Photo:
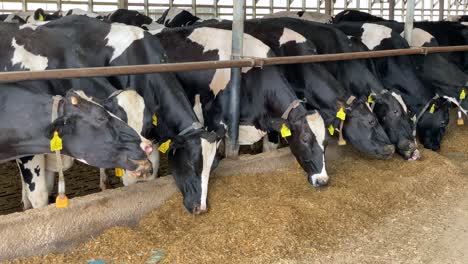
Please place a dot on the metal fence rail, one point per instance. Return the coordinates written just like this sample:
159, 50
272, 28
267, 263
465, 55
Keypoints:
207, 65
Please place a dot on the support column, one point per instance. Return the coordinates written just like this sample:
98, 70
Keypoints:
391, 9
409, 21
232, 146
441, 10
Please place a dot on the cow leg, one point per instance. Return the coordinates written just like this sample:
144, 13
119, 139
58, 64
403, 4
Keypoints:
271, 141
50, 179
102, 179
154, 158
231, 151
24, 196
32, 170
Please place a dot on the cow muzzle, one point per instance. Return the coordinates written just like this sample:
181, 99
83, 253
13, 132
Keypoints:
143, 171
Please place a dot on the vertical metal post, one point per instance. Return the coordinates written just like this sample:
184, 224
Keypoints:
391, 9
409, 20
232, 146
328, 7
441, 10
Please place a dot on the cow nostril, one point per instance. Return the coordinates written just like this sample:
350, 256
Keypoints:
148, 149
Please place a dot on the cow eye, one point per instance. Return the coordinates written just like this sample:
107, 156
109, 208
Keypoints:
372, 122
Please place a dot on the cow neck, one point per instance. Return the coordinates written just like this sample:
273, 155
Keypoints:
174, 110
40, 120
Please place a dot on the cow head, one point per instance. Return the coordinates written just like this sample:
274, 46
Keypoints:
391, 112
307, 143
432, 125
97, 137
191, 156
40, 15
129, 17
364, 132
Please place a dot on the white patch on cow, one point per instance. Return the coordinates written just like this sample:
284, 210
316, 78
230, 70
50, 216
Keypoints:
208, 154
154, 28
464, 23
171, 13
455, 101
134, 106
317, 125
121, 36
39, 197
83, 161
290, 35
373, 34
9, 18
31, 26
197, 108
27, 60
220, 40
400, 100
248, 135
81, 12
419, 37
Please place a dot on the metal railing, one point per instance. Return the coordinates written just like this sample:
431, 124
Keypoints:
207, 65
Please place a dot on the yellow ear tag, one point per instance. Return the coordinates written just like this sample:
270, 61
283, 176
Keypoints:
119, 172
432, 110
462, 94
165, 146
41, 18
155, 120
285, 131
341, 114
61, 202
56, 142
331, 130
370, 100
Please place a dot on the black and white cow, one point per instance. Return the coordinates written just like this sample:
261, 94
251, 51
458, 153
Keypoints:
88, 132
320, 89
267, 101
350, 15
81, 12
449, 34
400, 73
305, 15
177, 17
129, 17
111, 45
359, 81
12, 18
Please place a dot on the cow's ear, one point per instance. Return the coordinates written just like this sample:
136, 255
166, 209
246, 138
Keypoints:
277, 123
39, 15
62, 125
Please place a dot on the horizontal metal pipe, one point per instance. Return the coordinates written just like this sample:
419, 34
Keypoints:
207, 65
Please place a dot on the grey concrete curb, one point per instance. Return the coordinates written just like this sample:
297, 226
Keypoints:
48, 229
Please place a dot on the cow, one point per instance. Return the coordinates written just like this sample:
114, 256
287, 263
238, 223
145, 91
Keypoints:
129, 17
350, 15
267, 101
305, 15
322, 91
88, 132
357, 80
400, 74
170, 117
81, 12
177, 17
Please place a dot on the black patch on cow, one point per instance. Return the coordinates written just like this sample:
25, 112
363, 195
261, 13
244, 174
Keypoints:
26, 173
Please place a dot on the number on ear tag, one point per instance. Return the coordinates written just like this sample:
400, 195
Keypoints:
432, 110
285, 131
56, 142
341, 114
119, 172
331, 130
164, 147
155, 120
